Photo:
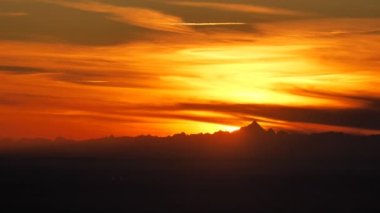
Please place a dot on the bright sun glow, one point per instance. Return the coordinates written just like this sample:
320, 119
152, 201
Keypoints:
230, 128
153, 69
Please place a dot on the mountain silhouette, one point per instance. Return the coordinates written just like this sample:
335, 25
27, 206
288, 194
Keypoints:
253, 129
249, 170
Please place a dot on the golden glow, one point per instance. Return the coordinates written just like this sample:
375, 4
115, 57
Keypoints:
230, 128
143, 86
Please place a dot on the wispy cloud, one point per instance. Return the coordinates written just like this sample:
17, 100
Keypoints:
142, 17
239, 8
19, 69
209, 24
363, 118
12, 14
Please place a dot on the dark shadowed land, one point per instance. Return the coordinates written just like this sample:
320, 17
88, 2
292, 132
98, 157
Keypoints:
250, 170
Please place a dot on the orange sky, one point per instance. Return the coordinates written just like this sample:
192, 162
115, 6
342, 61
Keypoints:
85, 69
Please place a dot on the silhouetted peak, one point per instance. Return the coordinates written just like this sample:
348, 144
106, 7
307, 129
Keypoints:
254, 128
255, 125
271, 132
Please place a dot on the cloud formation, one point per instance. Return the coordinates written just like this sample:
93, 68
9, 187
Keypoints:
135, 67
210, 24
12, 14
239, 8
20, 69
363, 118
141, 17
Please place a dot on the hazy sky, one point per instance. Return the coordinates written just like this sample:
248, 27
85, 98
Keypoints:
86, 69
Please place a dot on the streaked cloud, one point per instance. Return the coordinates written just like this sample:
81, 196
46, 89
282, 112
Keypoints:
142, 17
360, 118
210, 24
12, 14
150, 67
246, 8
19, 69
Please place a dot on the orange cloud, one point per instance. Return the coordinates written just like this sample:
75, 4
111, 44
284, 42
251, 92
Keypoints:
13, 14
287, 76
240, 8
141, 17
210, 24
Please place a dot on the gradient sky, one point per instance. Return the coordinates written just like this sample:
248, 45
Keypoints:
85, 69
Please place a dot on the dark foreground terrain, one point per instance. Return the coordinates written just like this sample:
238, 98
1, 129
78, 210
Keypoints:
251, 170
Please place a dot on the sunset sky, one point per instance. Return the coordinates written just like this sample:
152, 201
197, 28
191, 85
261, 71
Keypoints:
86, 69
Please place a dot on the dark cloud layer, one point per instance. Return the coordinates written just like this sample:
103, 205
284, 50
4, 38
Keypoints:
370, 102
53, 23
365, 118
327, 8
44, 21
128, 79
20, 69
